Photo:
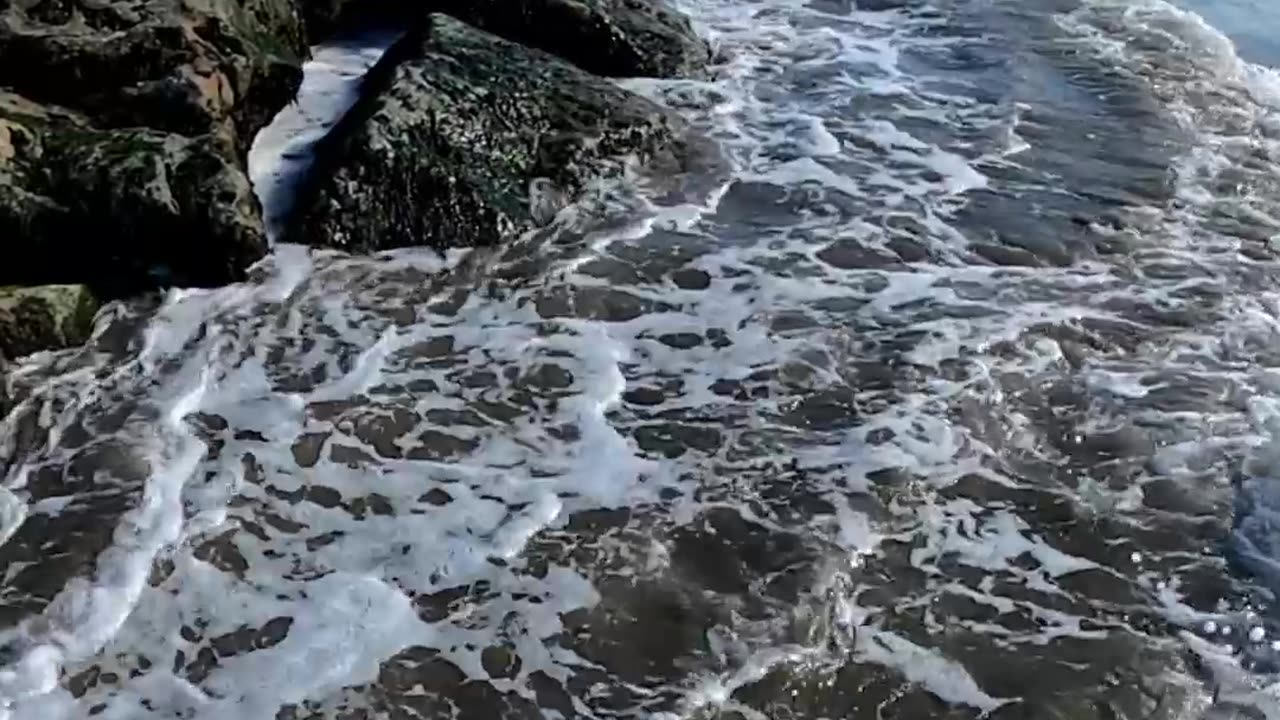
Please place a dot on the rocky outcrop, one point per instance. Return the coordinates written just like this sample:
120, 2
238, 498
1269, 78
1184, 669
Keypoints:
618, 38
124, 126
123, 131
457, 126
121, 209
47, 317
189, 67
44, 317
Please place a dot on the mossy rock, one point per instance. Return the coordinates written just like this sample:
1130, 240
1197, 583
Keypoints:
124, 131
119, 210
458, 126
44, 317
617, 38
192, 67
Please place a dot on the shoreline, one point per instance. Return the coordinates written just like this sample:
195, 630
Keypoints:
122, 193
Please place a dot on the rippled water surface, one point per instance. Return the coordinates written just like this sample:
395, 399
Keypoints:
951, 392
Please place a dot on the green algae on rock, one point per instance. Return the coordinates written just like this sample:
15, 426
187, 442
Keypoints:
457, 126
194, 67
618, 38
124, 129
118, 209
125, 125
44, 317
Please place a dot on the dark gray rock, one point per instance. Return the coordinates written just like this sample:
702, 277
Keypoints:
456, 126
217, 66
124, 126
119, 209
44, 317
620, 38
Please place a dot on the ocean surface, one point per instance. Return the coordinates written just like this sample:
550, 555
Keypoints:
952, 391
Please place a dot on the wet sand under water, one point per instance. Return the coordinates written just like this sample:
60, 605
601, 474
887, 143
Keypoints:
952, 396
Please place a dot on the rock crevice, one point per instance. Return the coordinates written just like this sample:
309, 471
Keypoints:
455, 127
125, 127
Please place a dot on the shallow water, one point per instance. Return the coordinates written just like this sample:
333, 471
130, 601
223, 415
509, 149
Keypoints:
952, 393
1247, 22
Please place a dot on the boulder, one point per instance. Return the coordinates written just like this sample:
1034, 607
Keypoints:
456, 127
618, 38
190, 67
119, 209
44, 318
124, 127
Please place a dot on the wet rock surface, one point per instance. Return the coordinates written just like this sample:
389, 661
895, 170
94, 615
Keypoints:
124, 126
186, 68
459, 125
46, 316
119, 209
621, 38
123, 130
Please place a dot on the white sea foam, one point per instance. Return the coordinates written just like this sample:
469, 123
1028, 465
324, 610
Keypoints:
1228, 106
944, 678
517, 417
281, 153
